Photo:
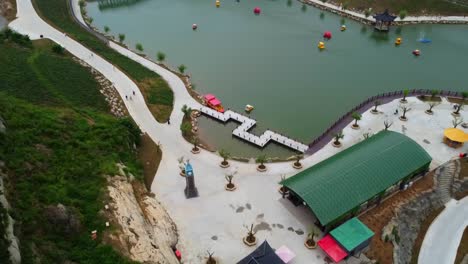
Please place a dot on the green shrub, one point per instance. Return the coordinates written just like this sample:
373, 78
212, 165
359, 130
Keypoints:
58, 49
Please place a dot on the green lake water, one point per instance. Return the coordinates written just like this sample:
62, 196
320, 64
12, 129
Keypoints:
271, 61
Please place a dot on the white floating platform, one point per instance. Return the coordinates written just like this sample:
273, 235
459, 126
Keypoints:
246, 124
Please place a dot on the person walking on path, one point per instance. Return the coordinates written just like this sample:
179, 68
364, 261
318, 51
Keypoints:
169, 121
126, 97
133, 92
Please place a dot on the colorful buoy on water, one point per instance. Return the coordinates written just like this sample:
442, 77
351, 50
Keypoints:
416, 52
343, 28
327, 34
194, 26
398, 41
321, 45
257, 10
217, 3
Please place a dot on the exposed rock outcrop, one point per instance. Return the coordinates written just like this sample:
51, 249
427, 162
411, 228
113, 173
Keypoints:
146, 231
63, 218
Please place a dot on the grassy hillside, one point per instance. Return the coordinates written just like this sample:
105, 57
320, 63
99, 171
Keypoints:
158, 94
59, 144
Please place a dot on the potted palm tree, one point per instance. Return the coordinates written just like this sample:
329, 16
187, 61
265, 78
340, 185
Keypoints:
210, 259
283, 190
404, 109
250, 239
195, 149
356, 116
387, 124
310, 242
376, 104
336, 142
230, 186
297, 164
225, 155
261, 160
457, 121
431, 105
405, 94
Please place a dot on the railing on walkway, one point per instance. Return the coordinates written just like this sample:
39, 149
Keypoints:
345, 119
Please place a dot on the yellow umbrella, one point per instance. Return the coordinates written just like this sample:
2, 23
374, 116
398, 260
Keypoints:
455, 134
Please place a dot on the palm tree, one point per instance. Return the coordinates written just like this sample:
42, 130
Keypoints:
431, 105
210, 259
298, 158
405, 94
250, 238
456, 121
283, 189
376, 104
182, 68
225, 155
337, 138
106, 29
387, 124
356, 116
367, 12
139, 47
403, 14
310, 241
261, 159
160, 56
458, 108
121, 38
404, 109
230, 186
195, 142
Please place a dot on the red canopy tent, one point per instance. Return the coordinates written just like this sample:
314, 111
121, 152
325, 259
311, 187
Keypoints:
332, 248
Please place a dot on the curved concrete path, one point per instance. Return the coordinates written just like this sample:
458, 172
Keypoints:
215, 219
444, 235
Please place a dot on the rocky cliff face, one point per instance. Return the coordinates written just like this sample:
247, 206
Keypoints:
146, 233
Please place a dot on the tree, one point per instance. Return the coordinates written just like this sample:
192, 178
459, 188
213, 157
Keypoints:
457, 121
310, 241
283, 189
345, 6
225, 155
458, 108
195, 142
182, 68
367, 12
261, 159
298, 158
160, 56
337, 138
405, 94
210, 259
186, 110
431, 105
121, 38
387, 124
106, 29
434, 93
356, 116
376, 104
404, 109
82, 3
250, 238
58, 49
403, 14
90, 20
139, 47
230, 186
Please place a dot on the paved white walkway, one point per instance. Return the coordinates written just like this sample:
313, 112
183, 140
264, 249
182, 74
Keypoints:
215, 219
419, 19
444, 235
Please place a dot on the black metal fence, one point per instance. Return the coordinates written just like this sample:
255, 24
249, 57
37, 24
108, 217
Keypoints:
345, 119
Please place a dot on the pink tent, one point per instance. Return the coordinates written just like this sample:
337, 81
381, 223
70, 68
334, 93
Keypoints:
285, 254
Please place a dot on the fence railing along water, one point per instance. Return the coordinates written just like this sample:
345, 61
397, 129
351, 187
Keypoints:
345, 119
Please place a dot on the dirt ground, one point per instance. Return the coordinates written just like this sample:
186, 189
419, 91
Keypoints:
380, 216
463, 248
150, 156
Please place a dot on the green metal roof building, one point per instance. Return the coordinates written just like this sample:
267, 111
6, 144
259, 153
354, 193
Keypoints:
339, 185
353, 235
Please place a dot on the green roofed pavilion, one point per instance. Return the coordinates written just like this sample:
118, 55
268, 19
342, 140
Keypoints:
342, 183
352, 234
